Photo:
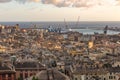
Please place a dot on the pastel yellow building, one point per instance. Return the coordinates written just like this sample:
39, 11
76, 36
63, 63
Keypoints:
90, 44
2, 49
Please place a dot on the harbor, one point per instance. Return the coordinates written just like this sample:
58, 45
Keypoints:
59, 39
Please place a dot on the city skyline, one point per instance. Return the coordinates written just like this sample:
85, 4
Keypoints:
57, 10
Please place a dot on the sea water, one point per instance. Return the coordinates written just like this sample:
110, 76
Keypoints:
85, 27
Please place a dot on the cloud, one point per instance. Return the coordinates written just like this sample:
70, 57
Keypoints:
3, 1
70, 3
118, 2
58, 3
80, 3
25, 1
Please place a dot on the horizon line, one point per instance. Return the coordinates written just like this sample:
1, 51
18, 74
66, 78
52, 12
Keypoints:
61, 21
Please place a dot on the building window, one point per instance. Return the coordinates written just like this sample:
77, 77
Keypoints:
3, 76
76, 79
110, 77
114, 77
31, 74
86, 77
110, 73
26, 74
21, 75
9, 75
34, 73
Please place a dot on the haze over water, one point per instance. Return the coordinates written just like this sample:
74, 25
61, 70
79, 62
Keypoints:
84, 26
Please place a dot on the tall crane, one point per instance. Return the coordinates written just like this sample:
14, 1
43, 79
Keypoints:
105, 29
66, 26
77, 21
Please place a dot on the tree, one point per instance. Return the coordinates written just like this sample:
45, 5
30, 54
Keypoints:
20, 78
107, 65
37, 79
34, 78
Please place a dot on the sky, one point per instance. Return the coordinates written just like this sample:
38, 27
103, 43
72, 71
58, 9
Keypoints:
58, 10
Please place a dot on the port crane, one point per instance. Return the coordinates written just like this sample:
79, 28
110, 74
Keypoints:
77, 21
105, 29
66, 26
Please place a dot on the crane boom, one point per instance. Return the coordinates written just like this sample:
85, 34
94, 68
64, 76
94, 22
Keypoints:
77, 21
